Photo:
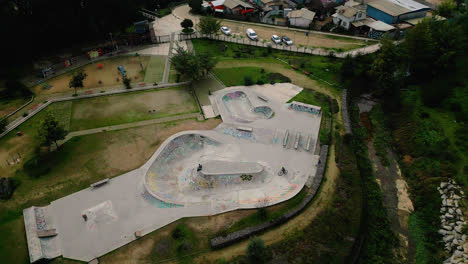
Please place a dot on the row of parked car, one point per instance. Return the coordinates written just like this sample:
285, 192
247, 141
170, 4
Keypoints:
253, 36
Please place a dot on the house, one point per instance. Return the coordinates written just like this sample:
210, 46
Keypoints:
237, 7
217, 5
396, 11
349, 13
141, 27
301, 18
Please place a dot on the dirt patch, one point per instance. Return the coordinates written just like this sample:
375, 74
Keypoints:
107, 76
128, 108
8, 106
299, 38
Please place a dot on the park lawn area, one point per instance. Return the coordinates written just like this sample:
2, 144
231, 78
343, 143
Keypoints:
9, 105
155, 69
26, 145
132, 107
235, 76
80, 162
108, 75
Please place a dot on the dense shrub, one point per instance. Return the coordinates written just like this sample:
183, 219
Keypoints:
248, 80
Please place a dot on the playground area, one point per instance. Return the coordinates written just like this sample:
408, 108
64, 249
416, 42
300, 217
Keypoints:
102, 73
236, 165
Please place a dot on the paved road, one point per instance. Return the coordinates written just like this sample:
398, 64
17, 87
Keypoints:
130, 125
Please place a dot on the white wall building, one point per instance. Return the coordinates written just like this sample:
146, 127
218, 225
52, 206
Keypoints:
301, 18
348, 13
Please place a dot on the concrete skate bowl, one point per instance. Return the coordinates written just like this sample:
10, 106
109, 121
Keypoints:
176, 158
174, 176
240, 108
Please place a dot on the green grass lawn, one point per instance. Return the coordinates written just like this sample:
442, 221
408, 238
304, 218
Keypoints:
127, 108
235, 76
155, 69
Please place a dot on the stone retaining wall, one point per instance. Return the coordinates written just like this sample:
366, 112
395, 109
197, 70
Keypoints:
223, 241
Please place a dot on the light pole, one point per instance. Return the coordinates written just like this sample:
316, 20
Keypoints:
112, 41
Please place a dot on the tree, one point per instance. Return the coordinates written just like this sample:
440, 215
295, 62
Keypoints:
256, 250
195, 5
209, 25
3, 124
77, 80
207, 62
126, 81
186, 23
50, 130
446, 9
186, 63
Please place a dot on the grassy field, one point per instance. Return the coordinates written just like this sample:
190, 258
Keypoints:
81, 161
107, 76
127, 108
8, 106
235, 76
155, 69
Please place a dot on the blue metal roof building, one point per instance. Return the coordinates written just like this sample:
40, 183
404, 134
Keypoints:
396, 11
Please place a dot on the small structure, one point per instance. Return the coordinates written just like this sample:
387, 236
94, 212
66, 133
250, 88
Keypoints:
46, 233
237, 7
396, 11
217, 5
99, 183
141, 27
138, 234
301, 18
347, 14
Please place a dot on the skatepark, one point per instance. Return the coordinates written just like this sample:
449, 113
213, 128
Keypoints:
262, 154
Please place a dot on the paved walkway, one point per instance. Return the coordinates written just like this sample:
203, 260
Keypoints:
130, 125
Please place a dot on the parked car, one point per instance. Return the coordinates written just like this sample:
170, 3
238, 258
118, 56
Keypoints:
226, 31
251, 34
287, 40
276, 39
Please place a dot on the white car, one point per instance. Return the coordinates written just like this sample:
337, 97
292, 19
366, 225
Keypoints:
251, 34
287, 41
225, 31
276, 39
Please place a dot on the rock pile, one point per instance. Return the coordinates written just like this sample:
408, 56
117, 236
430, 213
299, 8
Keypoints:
452, 222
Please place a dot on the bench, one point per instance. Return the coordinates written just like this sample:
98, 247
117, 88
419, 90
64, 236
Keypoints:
296, 141
262, 98
99, 183
246, 129
309, 139
138, 234
46, 233
285, 139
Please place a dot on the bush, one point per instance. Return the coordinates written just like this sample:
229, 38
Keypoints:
248, 80
25, 114
187, 30
260, 82
256, 251
126, 82
179, 233
334, 106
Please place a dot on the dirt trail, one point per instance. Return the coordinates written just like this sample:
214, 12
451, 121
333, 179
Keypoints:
395, 193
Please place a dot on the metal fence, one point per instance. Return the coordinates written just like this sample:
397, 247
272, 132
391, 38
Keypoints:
264, 44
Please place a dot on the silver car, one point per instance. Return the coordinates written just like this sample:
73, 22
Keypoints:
226, 31
276, 39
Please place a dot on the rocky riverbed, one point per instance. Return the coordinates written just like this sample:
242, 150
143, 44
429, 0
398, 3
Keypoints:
452, 222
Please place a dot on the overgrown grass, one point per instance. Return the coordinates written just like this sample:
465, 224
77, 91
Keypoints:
381, 135
330, 237
380, 240
236, 76
263, 215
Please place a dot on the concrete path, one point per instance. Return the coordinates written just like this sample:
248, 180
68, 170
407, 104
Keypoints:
129, 125
167, 67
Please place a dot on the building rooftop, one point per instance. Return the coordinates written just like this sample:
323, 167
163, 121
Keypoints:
234, 3
302, 13
397, 7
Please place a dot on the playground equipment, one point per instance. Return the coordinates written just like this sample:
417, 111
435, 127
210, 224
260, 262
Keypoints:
121, 69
